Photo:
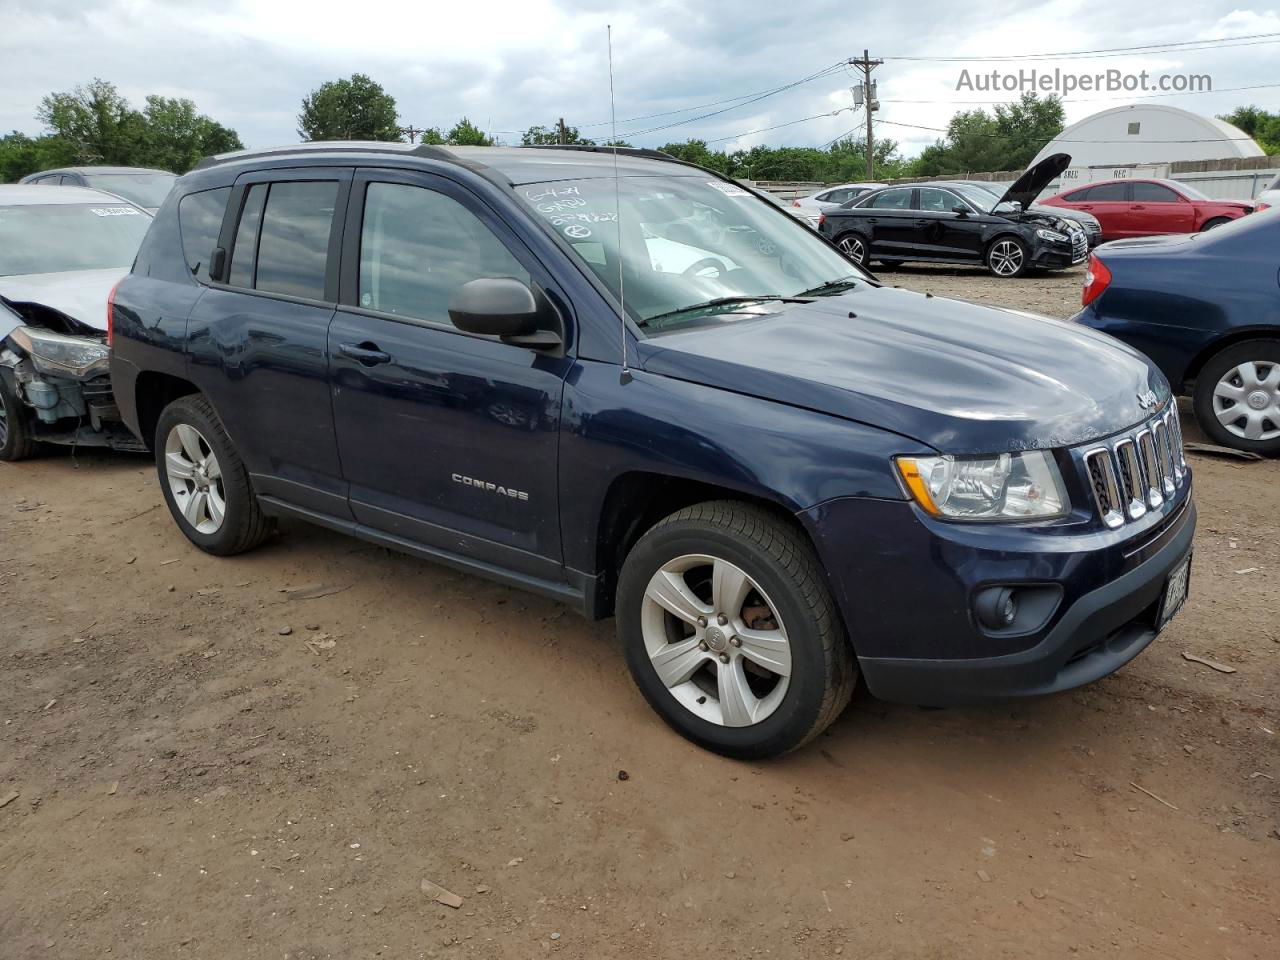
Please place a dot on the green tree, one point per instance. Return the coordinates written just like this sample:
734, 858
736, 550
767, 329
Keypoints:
354, 109
545, 136
1006, 139
21, 155
1263, 126
175, 137
467, 134
96, 121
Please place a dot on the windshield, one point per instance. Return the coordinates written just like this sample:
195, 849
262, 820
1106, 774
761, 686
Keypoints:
144, 189
980, 197
685, 241
56, 237
1189, 191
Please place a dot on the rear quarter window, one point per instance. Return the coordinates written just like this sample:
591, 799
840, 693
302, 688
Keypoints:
199, 222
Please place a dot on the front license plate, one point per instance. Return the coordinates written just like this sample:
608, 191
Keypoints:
1175, 592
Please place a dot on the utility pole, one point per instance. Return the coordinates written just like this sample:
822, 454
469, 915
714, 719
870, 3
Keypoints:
411, 132
563, 133
871, 104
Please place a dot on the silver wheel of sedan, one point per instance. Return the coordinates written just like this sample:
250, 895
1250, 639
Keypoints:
715, 640
195, 478
853, 248
1006, 258
1246, 400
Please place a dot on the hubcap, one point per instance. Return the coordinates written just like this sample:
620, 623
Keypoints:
195, 478
716, 640
852, 247
1246, 400
1006, 258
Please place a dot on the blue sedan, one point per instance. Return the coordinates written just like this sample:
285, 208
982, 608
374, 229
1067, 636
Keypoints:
1206, 308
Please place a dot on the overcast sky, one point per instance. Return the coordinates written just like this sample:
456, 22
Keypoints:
508, 65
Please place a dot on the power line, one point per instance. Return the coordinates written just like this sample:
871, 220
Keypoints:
778, 126
1170, 47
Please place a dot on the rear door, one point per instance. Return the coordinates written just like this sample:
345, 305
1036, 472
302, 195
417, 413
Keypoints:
258, 336
1109, 202
1155, 209
891, 223
448, 439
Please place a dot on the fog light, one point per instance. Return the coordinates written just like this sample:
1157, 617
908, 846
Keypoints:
997, 607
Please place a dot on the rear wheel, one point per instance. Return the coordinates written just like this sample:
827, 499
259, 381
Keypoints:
730, 633
204, 481
1215, 222
1237, 399
1007, 257
853, 246
16, 441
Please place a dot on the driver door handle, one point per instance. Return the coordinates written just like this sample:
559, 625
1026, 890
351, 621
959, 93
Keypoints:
366, 353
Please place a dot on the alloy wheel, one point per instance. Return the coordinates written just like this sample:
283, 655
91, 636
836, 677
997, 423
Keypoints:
1246, 400
853, 248
715, 640
195, 478
1006, 258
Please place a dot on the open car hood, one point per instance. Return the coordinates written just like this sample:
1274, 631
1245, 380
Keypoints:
1029, 186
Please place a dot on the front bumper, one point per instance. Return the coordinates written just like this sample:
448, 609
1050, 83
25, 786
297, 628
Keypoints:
909, 611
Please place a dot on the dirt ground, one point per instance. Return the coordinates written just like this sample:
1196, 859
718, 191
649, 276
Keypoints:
265, 756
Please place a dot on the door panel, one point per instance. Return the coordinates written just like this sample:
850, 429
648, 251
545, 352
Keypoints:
446, 438
1155, 209
891, 223
940, 231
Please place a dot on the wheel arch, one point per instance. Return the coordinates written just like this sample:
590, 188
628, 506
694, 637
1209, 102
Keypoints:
1225, 342
153, 392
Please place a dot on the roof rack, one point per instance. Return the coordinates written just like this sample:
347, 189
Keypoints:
331, 146
603, 148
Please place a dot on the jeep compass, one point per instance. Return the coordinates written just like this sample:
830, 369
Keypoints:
629, 383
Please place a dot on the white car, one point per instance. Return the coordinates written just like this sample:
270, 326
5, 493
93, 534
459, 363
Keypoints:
61, 253
1268, 198
832, 197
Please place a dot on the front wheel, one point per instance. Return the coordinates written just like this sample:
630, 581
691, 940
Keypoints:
1008, 258
853, 246
1237, 399
730, 633
1215, 222
205, 483
16, 441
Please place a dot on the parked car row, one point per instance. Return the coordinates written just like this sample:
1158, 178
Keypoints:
629, 384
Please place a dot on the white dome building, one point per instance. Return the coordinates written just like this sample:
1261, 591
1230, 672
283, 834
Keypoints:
1146, 133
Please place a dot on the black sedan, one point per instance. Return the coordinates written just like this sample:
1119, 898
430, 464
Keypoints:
1206, 308
958, 223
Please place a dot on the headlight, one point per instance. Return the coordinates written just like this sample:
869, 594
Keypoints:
60, 355
1052, 235
1007, 486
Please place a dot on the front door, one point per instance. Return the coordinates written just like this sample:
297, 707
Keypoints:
447, 439
941, 231
1155, 209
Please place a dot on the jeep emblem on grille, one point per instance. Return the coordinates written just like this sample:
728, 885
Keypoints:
1147, 400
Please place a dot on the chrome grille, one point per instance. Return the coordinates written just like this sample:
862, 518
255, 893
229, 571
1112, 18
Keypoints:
1138, 471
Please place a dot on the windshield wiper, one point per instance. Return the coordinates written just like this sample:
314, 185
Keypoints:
717, 302
829, 285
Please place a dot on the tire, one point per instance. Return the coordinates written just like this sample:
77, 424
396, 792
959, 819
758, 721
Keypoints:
1007, 257
784, 616
1238, 393
891, 264
1215, 222
16, 441
854, 246
190, 438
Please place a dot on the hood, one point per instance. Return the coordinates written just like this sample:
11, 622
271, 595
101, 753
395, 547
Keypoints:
1027, 187
80, 294
961, 377
1168, 241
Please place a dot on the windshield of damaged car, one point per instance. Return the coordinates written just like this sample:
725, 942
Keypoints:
692, 249
56, 237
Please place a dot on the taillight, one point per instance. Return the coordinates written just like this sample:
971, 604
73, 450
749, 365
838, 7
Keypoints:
1096, 279
795, 203
1262, 205
111, 303
822, 218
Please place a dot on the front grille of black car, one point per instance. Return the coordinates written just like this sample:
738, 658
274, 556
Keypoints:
1139, 470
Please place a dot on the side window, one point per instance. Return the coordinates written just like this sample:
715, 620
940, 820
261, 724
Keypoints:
1153, 193
839, 196
938, 201
199, 221
417, 247
244, 255
1107, 192
293, 246
828, 197
1080, 196
892, 200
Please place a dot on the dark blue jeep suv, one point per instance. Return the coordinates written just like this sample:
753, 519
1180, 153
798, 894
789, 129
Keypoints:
629, 383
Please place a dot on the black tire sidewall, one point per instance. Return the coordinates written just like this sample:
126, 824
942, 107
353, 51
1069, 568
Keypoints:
188, 410
1265, 349
18, 443
795, 717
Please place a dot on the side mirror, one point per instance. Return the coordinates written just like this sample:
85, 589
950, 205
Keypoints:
501, 307
962, 210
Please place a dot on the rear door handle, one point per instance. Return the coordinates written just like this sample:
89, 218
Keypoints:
366, 353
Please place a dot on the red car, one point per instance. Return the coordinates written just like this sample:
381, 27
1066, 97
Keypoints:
1145, 208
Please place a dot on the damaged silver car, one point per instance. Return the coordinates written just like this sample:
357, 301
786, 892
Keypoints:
61, 253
